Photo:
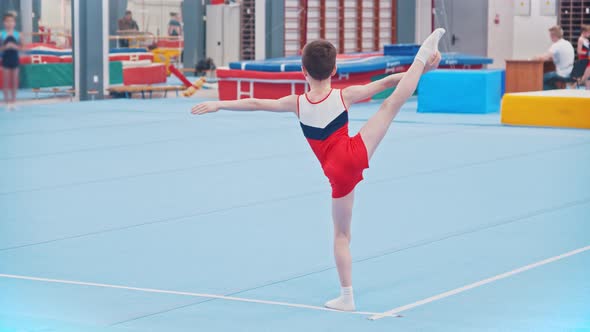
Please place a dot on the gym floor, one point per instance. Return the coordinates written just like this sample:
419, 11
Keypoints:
133, 215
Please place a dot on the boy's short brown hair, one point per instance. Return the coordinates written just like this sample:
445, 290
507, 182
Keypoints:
7, 16
585, 27
319, 59
556, 31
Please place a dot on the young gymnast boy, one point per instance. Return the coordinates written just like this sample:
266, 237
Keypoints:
323, 114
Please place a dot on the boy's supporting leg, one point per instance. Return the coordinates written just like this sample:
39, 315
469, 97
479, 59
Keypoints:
376, 128
342, 217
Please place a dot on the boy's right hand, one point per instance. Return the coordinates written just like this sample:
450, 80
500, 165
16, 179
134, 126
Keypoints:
204, 108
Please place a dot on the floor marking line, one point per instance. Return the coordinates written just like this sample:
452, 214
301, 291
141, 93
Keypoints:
149, 173
202, 295
131, 145
398, 310
122, 124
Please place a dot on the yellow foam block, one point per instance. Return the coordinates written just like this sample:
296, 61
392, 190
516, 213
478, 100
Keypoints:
556, 108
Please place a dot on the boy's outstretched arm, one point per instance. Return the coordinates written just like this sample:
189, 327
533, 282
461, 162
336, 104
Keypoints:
285, 104
354, 94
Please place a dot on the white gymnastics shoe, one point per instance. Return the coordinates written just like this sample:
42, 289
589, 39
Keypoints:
430, 45
345, 302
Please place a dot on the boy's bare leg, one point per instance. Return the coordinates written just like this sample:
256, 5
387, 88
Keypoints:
15, 83
6, 87
376, 128
342, 217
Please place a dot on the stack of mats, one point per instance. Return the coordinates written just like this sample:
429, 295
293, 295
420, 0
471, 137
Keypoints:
42, 54
555, 108
49, 66
401, 49
138, 66
144, 73
276, 78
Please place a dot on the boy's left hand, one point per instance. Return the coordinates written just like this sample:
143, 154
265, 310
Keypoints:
203, 108
433, 62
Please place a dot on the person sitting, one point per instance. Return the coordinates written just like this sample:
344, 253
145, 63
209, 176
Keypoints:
584, 53
174, 26
127, 25
563, 55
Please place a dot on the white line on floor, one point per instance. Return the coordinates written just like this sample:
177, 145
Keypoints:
398, 310
163, 291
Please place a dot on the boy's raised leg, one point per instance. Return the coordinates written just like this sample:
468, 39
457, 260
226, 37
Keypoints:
376, 128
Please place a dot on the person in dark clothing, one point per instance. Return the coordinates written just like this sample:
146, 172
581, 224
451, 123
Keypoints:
127, 25
174, 26
10, 45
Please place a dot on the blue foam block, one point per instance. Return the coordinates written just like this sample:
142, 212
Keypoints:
460, 91
460, 59
401, 49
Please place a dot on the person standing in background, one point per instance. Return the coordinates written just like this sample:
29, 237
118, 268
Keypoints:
584, 53
10, 46
174, 25
563, 56
127, 26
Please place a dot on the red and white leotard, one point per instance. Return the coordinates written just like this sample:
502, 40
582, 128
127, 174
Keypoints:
325, 126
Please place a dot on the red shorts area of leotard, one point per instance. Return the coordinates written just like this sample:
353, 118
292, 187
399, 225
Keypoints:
345, 165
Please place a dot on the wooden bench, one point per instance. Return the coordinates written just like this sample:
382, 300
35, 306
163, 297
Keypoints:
166, 88
92, 93
55, 91
128, 90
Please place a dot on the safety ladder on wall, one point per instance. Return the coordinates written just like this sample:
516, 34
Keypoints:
373, 27
248, 37
351, 25
572, 15
295, 12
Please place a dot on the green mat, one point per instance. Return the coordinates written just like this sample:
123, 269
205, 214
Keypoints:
60, 74
383, 94
386, 93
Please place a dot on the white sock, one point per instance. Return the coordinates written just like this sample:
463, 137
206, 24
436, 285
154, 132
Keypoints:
430, 45
344, 302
